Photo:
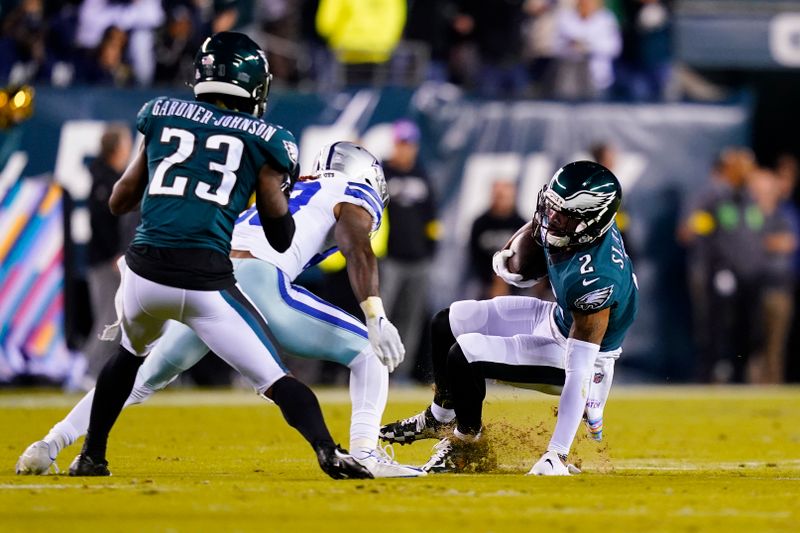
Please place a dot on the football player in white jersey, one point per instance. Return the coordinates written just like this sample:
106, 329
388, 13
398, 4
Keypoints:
345, 196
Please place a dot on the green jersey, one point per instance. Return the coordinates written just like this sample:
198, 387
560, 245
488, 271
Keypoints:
203, 162
593, 279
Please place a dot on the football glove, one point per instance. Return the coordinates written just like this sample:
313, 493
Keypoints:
288, 181
500, 266
383, 336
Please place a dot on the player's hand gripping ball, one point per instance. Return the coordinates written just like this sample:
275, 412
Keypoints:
523, 263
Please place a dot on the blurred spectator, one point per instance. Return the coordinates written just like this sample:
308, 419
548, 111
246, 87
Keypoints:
779, 246
786, 171
176, 45
723, 226
489, 233
22, 46
413, 231
141, 18
106, 65
646, 59
539, 36
606, 154
110, 237
587, 39
497, 32
281, 20
362, 34
62, 20
234, 15
430, 22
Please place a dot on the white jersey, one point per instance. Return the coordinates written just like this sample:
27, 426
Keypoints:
311, 204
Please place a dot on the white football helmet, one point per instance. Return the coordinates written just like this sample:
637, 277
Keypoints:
354, 164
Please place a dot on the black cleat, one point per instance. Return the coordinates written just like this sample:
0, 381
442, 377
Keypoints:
85, 466
339, 464
418, 427
452, 454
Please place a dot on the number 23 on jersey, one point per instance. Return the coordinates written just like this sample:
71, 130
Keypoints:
232, 149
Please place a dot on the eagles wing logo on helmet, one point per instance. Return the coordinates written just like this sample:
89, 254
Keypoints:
583, 201
596, 299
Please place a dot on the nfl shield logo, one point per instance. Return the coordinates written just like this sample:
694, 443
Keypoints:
207, 60
598, 377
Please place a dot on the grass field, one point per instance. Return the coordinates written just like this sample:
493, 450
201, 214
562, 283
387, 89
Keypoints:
674, 459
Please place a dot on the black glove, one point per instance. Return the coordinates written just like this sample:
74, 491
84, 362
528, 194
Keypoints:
289, 179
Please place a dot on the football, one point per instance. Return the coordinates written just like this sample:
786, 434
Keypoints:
528, 259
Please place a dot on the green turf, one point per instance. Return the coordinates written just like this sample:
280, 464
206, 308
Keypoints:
678, 459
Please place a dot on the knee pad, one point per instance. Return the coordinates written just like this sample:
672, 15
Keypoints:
468, 316
472, 345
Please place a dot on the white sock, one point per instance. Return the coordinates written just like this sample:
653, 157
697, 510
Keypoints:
369, 388
466, 438
73, 426
441, 414
599, 391
580, 361
60, 436
76, 423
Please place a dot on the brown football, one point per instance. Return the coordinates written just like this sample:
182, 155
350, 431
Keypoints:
528, 259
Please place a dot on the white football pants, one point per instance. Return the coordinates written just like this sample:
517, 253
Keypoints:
227, 321
517, 338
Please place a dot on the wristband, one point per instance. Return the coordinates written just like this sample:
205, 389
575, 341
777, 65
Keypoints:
373, 307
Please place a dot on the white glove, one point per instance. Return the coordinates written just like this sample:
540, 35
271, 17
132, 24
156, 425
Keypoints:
499, 264
383, 336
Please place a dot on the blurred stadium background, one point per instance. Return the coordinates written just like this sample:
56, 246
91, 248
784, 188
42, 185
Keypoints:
693, 103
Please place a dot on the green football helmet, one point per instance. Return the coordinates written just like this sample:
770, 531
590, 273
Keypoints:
231, 63
578, 205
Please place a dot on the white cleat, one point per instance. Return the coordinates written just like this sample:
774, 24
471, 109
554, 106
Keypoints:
552, 465
381, 464
36, 460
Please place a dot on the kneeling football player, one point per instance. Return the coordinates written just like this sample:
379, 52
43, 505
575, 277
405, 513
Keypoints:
570, 344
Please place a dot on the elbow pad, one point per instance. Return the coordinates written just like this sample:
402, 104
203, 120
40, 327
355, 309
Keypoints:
279, 231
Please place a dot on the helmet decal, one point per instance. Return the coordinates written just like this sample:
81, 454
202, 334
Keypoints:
232, 64
577, 205
583, 201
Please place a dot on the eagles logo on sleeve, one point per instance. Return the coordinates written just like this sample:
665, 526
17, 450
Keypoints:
291, 150
597, 299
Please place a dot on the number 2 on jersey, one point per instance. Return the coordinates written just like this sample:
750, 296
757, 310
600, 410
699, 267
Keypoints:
585, 260
233, 149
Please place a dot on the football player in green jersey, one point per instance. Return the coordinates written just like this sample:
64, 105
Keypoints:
200, 162
568, 346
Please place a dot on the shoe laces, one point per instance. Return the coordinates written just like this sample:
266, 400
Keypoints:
442, 448
384, 454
